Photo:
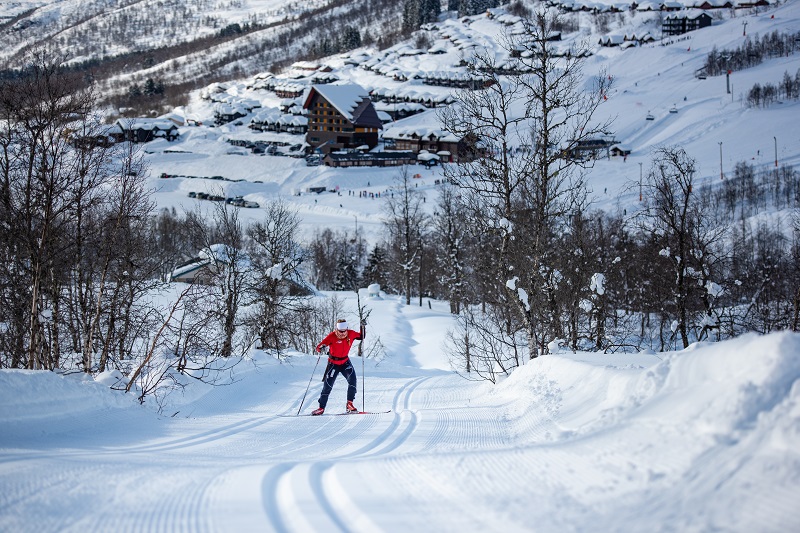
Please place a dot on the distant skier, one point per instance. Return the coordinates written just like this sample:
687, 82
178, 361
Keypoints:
339, 342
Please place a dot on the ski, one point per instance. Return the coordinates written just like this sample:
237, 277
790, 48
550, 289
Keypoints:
361, 413
339, 414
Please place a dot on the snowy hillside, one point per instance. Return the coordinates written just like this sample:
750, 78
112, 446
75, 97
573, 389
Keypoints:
656, 79
700, 440
181, 43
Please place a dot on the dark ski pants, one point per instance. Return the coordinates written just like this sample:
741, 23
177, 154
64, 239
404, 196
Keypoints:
331, 373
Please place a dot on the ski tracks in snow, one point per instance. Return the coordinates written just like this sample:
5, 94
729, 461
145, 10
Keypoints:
309, 496
431, 415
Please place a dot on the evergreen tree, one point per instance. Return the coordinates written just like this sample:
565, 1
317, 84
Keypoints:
473, 7
231, 30
350, 39
149, 87
368, 39
346, 274
134, 91
419, 12
375, 271
410, 16
429, 10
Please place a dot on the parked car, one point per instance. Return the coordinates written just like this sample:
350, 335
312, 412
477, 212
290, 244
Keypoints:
192, 194
248, 203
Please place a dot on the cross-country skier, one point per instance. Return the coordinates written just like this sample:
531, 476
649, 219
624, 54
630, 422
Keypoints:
338, 342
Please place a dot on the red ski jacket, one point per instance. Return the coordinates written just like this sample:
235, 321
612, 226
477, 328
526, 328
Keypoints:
339, 348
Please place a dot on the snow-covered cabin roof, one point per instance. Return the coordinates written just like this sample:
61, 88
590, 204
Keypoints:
175, 118
424, 155
289, 87
145, 124
346, 98
649, 6
228, 109
323, 77
624, 148
688, 14
439, 47
305, 65
636, 36
409, 107
293, 120
713, 3
188, 272
419, 132
406, 50
615, 39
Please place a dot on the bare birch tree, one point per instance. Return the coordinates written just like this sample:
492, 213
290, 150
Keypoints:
526, 178
686, 236
276, 286
63, 215
406, 223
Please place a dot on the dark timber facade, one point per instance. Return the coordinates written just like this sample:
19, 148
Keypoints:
340, 117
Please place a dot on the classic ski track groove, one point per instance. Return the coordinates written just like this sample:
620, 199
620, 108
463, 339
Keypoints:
319, 475
312, 488
204, 437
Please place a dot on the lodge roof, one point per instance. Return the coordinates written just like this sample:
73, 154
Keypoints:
350, 100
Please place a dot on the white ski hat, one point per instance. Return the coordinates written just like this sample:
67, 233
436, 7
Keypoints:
341, 325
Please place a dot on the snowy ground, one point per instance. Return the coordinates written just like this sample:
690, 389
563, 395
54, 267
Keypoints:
704, 439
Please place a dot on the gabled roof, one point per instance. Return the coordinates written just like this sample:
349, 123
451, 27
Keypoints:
419, 132
350, 100
345, 98
687, 14
145, 124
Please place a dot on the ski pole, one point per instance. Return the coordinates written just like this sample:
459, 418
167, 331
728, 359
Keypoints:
363, 374
309, 383
363, 392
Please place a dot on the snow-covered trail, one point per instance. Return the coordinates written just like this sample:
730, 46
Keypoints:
704, 439
252, 470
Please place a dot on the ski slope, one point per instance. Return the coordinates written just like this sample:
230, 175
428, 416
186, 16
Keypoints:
704, 439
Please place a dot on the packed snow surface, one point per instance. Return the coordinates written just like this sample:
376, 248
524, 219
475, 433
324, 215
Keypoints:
704, 439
